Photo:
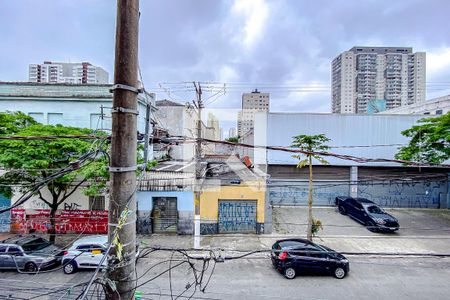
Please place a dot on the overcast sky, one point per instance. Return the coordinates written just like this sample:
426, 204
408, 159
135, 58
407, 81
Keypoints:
281, 47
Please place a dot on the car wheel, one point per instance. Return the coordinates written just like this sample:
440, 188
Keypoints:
371, 226
70, 268
289, 273
30, 267
342, 210
339, 273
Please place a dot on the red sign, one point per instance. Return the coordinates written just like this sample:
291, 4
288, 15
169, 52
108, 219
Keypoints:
66, 221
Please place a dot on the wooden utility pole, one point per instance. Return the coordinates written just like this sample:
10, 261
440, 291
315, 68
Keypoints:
198, 90
121, 268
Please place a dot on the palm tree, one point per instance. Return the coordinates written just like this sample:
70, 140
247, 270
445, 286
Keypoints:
310, 145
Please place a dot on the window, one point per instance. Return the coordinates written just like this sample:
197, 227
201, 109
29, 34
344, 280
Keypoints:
2, 248
14, 250
39, 117
55, 118
97, 202
439, 112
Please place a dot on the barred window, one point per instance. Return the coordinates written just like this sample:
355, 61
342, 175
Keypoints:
97, 202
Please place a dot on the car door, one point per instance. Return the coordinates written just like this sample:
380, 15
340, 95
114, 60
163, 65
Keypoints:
303, 263
84, 259
97, 253
3, 256
350, 207
358, 211
318, 260
14, 258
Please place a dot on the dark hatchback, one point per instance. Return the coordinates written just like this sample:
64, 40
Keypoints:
300, 256
367, 213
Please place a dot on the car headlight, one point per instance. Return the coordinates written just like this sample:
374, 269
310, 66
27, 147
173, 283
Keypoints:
379, 221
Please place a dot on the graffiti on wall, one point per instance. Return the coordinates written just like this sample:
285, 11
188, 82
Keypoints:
404, 194
71, 206
237, 216
76, 221
4, 217
296, 193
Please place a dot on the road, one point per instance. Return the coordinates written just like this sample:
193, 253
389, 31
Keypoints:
369, 278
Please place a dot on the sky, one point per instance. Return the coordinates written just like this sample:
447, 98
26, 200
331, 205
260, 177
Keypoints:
283, 47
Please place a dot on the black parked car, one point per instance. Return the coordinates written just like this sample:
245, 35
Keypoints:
295, 256
367, 213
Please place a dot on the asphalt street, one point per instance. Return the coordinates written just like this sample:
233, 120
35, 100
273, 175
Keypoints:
371, 276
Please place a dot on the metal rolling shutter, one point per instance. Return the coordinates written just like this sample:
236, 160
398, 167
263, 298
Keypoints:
237, 216
165, 214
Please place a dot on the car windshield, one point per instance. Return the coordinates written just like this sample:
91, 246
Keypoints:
35, 245
374, 210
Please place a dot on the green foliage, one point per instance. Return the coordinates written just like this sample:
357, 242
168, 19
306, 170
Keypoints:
310, 144
29, 161
12, 122
233, 139
430, 141
316, 226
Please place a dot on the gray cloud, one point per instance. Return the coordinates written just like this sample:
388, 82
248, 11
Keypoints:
206, 40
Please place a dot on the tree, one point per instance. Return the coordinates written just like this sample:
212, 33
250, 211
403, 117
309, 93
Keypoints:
430, 141
232, 139
28, 162
310, 144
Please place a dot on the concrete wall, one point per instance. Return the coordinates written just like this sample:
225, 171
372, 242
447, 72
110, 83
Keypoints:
209, 203
4, 217
185, 206
283, 192
76, 201
345, 131
404, 194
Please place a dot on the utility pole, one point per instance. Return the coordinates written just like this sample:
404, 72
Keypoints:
198, 168
121, 268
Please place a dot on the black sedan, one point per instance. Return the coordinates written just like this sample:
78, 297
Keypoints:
367, 213
300, 256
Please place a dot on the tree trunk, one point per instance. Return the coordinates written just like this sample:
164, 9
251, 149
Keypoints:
52, 230
310, 191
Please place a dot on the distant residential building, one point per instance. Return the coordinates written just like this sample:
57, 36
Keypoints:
251, 103
213, 122
59, 72
178, 120
364, 77
436, 106
232, 132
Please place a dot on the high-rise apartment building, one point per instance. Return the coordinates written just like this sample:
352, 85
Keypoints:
251, 103
372, 79
213, 122
76, 73
232, 132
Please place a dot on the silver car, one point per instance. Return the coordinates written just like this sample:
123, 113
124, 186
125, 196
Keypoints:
12, 256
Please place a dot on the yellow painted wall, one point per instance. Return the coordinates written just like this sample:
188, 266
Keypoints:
209, 199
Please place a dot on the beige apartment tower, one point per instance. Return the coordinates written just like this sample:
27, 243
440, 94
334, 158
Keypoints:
374, 79
251, 103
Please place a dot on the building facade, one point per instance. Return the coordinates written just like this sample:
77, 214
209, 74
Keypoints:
78, 105
361, 136
436, 106
213, 122
251, 103
74, 73
365, 77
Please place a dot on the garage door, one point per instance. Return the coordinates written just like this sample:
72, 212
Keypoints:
237, 216
165, 214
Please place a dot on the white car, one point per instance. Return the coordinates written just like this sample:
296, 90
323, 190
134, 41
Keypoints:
87, 253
